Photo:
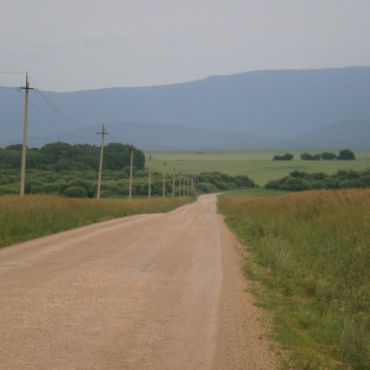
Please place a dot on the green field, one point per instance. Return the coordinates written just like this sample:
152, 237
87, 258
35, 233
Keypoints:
257, 164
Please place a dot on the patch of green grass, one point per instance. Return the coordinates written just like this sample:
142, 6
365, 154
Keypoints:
311, 252
29, 217
256, 164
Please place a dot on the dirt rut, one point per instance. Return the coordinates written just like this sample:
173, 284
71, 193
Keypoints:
159, 291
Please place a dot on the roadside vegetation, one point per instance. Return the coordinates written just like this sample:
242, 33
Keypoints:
30, 217
311, 252
115, 184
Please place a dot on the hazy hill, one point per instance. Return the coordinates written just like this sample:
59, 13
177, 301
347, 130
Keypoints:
348, 133
250, 109
164, 136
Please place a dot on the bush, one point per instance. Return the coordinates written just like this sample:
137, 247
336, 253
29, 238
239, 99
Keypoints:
75, 192
295, 184
306, 157
206, 187
343, 179
285, 157
326, 156
346, 155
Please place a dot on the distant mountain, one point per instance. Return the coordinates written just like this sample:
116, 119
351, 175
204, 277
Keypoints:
254, 109
344, 134
163, 136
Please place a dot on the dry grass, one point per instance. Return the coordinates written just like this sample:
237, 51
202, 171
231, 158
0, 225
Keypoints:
313, 253
33, 216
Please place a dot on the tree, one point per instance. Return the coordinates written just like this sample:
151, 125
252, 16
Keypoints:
285, 157
326, 156
117, 157
346, 155
310, 157
75, 192
306, 157
294, 184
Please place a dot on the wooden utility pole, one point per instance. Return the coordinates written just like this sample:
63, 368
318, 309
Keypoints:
180, 180
150, 177
131, 170
102, 133
173, 183
26, 89
164, 180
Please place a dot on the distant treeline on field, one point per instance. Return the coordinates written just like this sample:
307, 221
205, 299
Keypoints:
345, 154
299, 181
62, 156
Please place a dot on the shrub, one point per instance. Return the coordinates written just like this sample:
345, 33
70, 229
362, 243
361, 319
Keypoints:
306, 157
75, 192
346, 154
295, 184
206, 187
326, 156
285, 157
298, 180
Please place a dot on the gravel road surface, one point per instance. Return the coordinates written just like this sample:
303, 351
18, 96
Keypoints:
155, 292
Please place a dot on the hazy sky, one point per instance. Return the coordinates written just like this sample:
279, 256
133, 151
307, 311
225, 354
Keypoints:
81, 44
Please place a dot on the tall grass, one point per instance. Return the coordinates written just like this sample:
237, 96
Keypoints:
33, 216
311, 251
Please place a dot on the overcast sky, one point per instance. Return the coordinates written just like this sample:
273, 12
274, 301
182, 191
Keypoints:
82, 44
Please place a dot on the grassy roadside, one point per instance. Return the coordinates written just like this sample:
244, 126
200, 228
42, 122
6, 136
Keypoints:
311, 252
34, 216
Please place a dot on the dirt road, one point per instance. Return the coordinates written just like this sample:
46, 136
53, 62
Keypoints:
151, 292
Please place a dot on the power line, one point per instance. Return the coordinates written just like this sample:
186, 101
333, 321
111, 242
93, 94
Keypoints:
44, 117
64, 117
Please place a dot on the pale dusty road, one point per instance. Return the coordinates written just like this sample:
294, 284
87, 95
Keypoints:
160, 291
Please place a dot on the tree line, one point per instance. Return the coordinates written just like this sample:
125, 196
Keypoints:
61, 156
345, 154
115, 184
300, 181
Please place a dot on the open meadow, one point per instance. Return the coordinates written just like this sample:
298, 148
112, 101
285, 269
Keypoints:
311, 253
256, 164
